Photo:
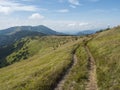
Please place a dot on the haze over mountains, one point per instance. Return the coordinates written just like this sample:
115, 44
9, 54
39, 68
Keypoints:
12, 34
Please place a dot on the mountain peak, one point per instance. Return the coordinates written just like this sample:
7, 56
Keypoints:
40, 28
12, 34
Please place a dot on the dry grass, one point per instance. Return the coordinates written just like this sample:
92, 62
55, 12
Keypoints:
105, 48
77, 78
40, 71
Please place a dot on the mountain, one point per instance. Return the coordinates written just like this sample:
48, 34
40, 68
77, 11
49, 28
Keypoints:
10, 35
9, 39
44, 62
86, 32
41, 28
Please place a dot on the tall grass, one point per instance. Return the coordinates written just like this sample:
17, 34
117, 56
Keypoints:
105, 48
28, 47
77, 78
39, 72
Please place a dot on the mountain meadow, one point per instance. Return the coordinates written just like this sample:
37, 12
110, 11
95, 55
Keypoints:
39, 58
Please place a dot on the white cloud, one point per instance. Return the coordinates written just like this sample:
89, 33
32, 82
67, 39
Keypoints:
83, 24
7, 7
72, 6
71, 24
5, 10
63, 11
79, 24
36, 16
61, 26
74, 2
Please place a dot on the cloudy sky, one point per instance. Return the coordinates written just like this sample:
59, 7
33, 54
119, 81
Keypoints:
60, 15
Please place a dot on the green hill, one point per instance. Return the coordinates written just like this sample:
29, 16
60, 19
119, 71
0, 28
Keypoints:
47, 57
27, 47
40, 62
6, 40
105, 47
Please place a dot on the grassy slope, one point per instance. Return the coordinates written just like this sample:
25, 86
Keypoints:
28, 47
42, 70
105, 48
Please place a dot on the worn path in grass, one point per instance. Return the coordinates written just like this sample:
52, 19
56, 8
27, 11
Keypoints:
92, 78
63, 79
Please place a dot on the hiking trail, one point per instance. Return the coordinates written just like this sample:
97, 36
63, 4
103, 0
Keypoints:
92, 78
63, 79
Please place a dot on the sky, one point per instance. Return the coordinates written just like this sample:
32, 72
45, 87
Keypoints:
60, 15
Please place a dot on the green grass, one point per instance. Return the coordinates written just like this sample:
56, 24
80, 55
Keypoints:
28, 47
40, 71
38, 63
105, 48
78, 75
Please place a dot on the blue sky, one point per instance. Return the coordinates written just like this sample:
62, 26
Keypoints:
60, 15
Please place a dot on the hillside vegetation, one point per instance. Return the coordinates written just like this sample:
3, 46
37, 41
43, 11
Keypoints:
39, 63
105, 47
49, 57
29, 46
78, 76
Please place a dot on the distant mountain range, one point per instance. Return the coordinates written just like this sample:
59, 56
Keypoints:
10, 35
86, 32
81, 33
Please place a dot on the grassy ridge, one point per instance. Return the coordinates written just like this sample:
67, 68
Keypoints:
39, 72
105, 48
48, 57
78, 75
28, 47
